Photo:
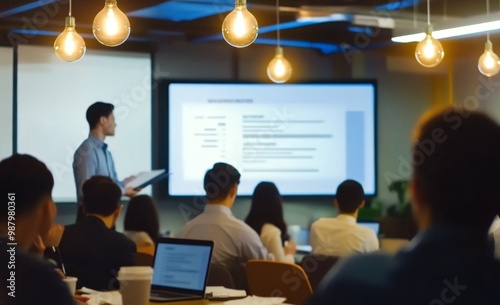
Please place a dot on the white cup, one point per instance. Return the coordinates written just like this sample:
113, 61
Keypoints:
71, 282
135, 284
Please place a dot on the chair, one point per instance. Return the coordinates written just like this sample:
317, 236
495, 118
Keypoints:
143, 259
393, 245
278, 279
317, 266
220, 276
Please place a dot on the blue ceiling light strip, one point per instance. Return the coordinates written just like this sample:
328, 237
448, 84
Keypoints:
394, 6
183, 10
24, 8
325, 48
28, 32
283, 26
360, 29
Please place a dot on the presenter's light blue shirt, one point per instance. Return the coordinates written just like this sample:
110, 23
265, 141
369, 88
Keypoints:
93, 158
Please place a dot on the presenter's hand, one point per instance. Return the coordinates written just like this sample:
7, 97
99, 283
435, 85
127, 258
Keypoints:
128, 179
290, 247
130, 192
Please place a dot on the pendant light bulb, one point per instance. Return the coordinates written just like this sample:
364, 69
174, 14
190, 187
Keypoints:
69, 45
488, 63
429, 52
240, 28
279, 69
111, 26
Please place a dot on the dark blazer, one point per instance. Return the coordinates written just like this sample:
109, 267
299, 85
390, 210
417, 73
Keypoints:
443, 265
94, 253
35, 280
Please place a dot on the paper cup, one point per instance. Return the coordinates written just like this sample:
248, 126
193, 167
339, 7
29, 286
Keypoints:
135, 284
71, 282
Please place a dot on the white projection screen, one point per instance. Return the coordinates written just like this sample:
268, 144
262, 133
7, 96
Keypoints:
306, 138
6, 72
53, 97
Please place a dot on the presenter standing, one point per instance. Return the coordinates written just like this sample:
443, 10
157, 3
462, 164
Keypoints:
93, 158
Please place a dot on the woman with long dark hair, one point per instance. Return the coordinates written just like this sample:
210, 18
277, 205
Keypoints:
142, 224
266, 218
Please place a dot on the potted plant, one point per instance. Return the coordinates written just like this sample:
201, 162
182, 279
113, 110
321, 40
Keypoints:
399, 222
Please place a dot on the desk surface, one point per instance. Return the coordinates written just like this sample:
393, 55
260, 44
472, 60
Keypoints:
190, 302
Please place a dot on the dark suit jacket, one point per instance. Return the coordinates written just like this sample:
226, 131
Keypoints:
444, 265
35, 280
94, 253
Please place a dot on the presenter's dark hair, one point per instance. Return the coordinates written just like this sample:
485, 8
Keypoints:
350, 195
219, 180
101, 196
96, 111
267, 207
28, 179
142, 215
456, 166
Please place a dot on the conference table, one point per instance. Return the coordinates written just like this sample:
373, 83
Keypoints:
190, 302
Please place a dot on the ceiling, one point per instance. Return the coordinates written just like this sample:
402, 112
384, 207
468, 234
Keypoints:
332, 25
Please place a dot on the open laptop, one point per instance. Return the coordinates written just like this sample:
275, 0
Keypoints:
180, 269
374, 225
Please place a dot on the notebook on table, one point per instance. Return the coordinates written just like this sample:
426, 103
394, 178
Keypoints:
180, 269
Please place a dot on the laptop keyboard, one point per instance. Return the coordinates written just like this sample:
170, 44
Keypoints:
169, 295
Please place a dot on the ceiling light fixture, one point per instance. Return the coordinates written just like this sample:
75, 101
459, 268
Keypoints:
69, 45
429, 52
111, 26
279, 69
488, 63
240, 28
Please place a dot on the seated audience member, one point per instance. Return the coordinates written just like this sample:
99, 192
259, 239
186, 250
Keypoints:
342, 236
456, 174
235, 241
26, 185
266, 218
141, 223
91, 250
495, 236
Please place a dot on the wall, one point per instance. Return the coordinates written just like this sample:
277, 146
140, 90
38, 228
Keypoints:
403, 96
6, 80
405, 92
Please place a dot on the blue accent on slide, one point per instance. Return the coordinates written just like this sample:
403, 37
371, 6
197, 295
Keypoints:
355, 149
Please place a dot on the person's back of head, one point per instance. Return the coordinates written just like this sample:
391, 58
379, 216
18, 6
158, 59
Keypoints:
456, 163
350, 195
96, 111
142, 215
267, 207
219, 180
28, 183
101, 196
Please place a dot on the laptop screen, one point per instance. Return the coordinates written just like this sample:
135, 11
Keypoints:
183, 266
374, 225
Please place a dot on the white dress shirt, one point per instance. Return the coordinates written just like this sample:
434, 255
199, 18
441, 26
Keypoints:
234, 241
271, 238
341, 236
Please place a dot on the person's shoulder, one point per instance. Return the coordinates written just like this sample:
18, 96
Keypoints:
354, 269
120, 238
38, 282
322, 222
85, 147
270, 229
